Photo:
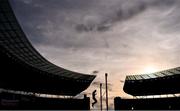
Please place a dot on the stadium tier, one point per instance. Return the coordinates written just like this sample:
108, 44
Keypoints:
9, 101
171, 103
24, 69
158, 83
163, 82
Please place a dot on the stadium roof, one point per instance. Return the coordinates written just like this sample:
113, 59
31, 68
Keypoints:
163, 82
26, 67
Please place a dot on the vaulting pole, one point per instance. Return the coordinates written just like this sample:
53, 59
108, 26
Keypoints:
106, 91
101, 96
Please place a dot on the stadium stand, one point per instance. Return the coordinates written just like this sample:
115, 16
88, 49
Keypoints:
22, 102
163, 82
24, 69
171, 103
158, 83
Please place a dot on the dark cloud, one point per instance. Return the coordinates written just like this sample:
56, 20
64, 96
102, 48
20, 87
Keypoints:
118, 16
55, 4
166, 3
124, 13
89, 28
95, 72
122, 81
38, 13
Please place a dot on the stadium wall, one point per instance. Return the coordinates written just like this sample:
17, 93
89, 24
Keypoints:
10, 101
172, 103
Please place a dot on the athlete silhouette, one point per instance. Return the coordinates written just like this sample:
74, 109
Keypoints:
94, 98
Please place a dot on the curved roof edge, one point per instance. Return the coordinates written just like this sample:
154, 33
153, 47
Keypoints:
22, 57
161, 82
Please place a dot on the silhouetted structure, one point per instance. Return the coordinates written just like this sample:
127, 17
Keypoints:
19, 101
158, 83
163, 82
24, 69
171, 103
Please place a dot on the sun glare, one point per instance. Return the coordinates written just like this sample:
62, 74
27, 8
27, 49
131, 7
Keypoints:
150, 69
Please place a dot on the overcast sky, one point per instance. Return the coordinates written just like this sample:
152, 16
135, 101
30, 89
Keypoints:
120, 37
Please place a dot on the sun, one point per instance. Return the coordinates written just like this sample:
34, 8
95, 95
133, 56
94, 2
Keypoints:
150, 69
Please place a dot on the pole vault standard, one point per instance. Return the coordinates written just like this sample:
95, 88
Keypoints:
101, 96
106, 91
